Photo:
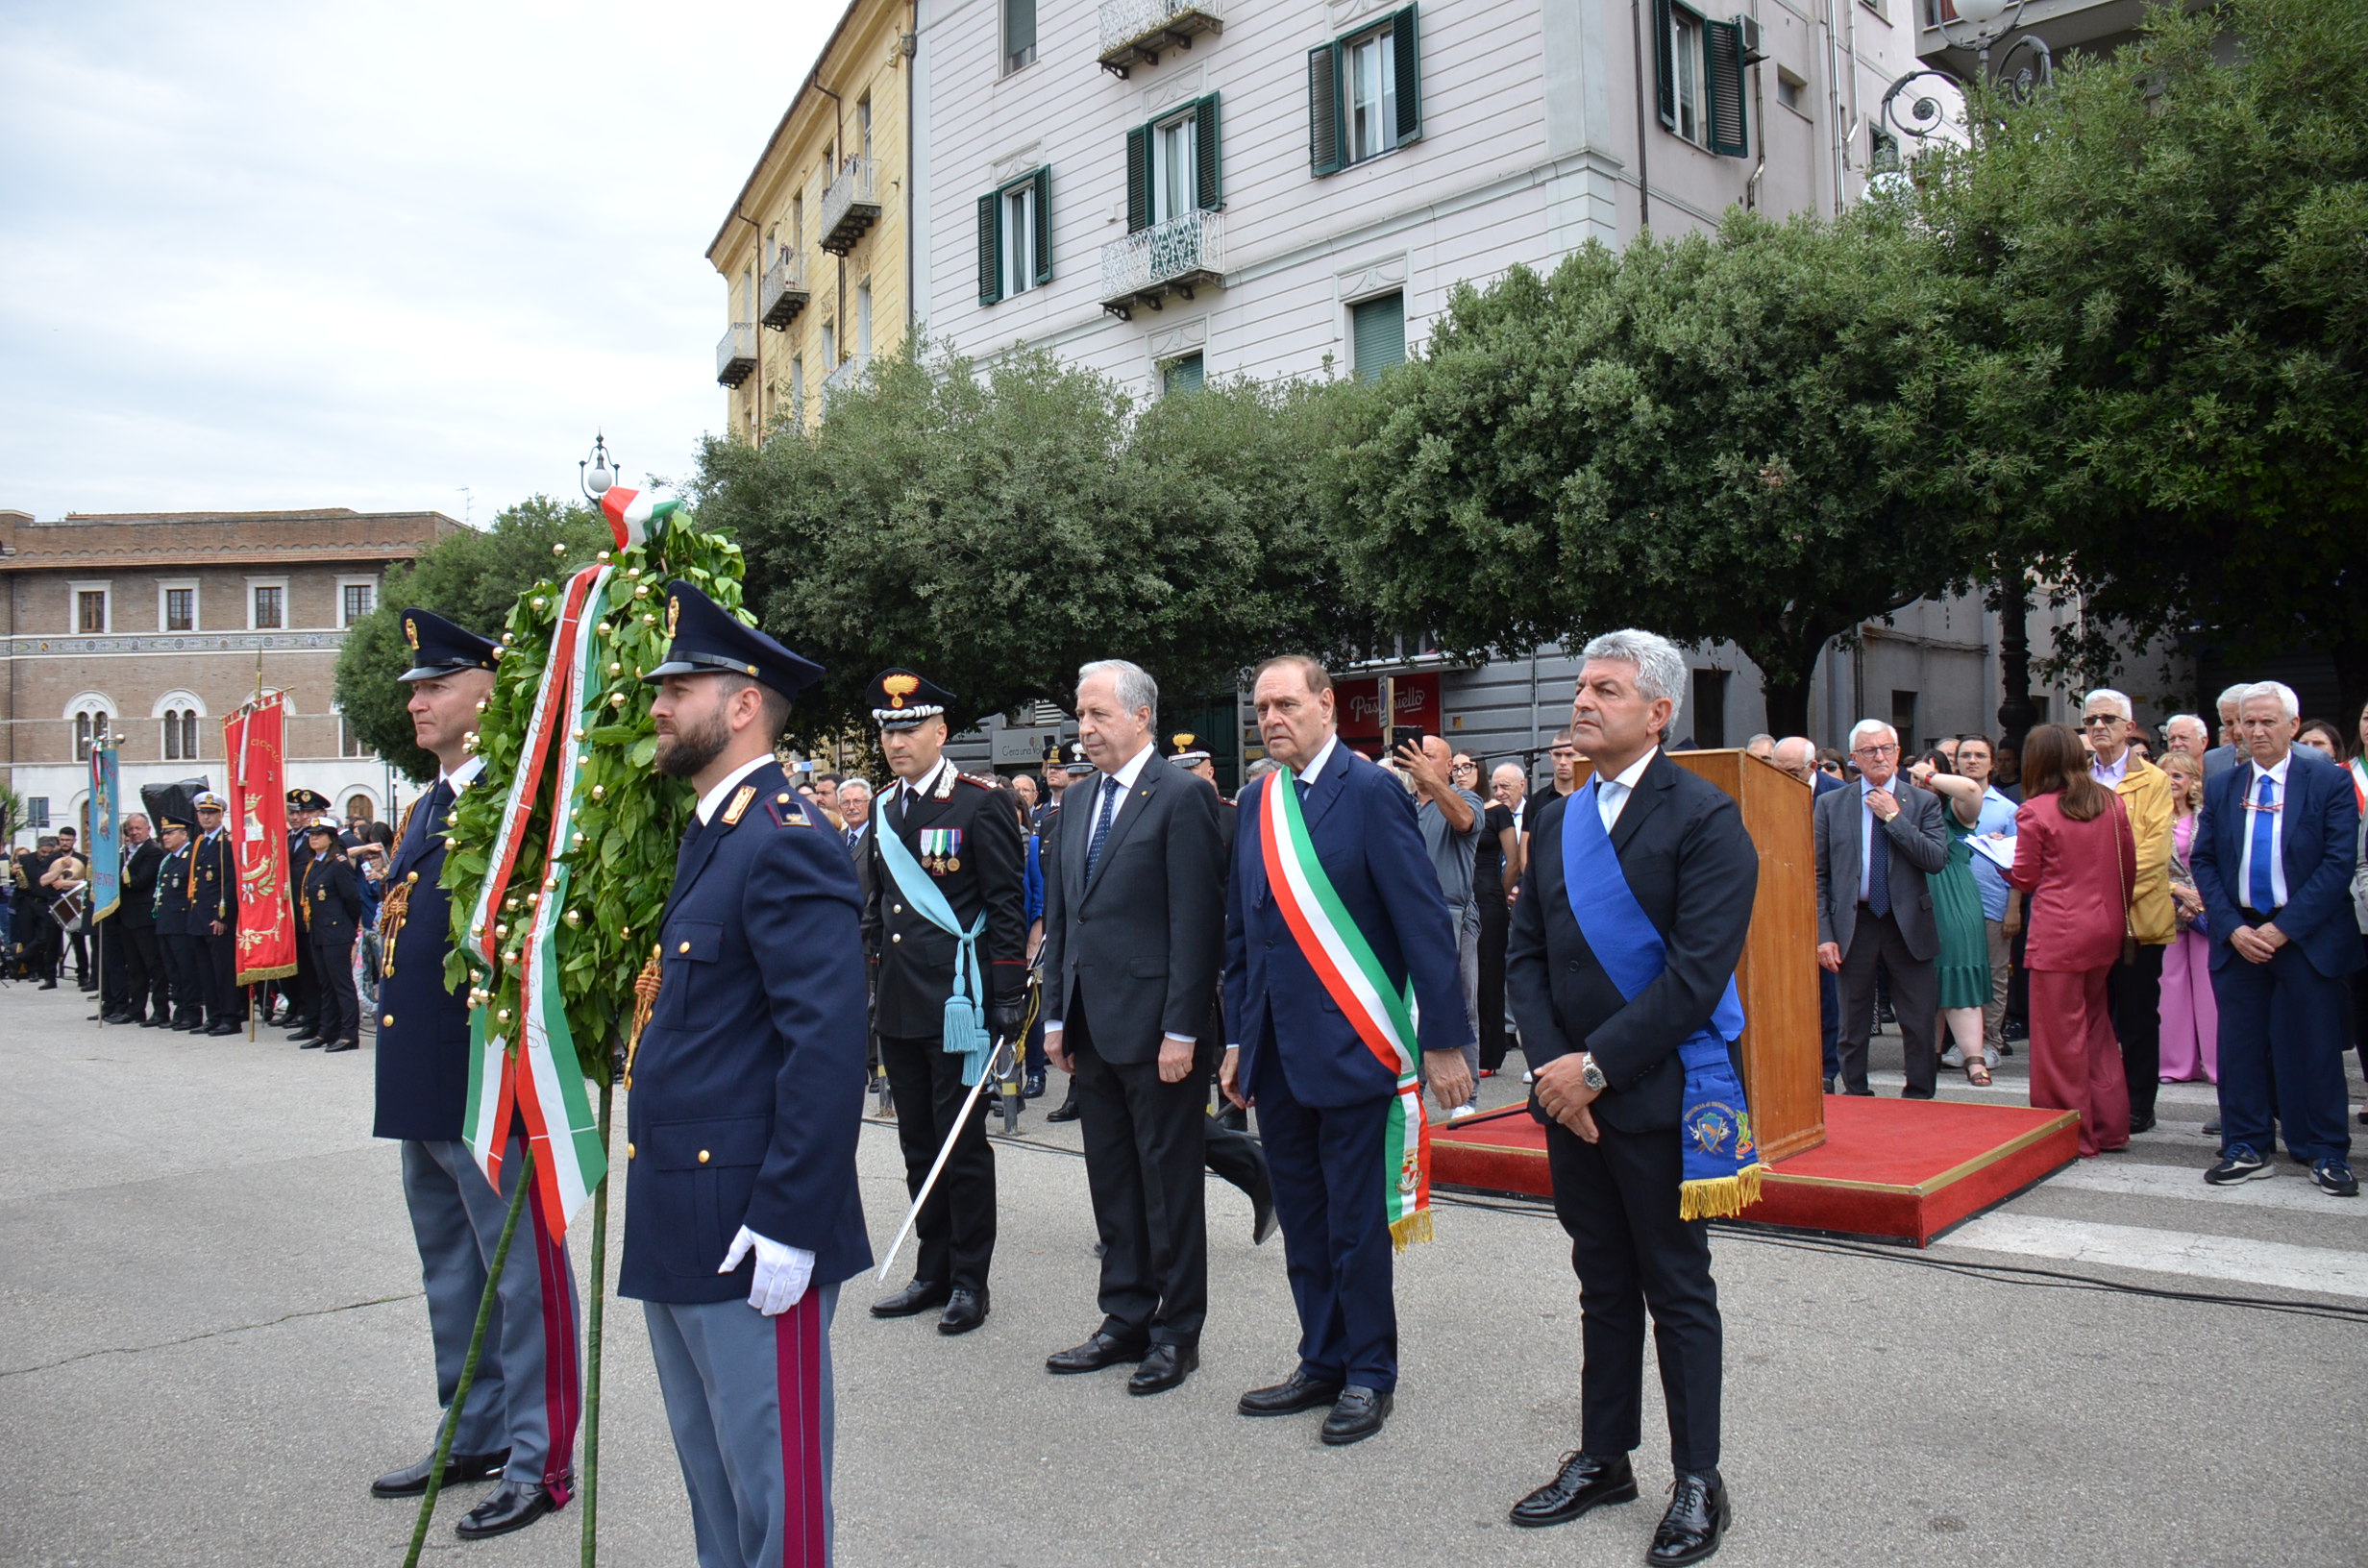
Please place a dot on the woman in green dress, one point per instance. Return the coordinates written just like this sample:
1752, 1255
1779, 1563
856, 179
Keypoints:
1963, 967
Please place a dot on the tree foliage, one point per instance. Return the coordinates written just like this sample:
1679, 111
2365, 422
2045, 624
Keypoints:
2179, 234
473, 578
1755, 435
995, 526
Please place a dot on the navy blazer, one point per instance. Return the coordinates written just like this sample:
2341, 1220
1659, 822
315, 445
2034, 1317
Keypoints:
2320, 823
748, 1084
1693, 870
423, 1055
1362, 821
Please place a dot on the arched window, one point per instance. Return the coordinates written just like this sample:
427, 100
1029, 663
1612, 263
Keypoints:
93, 721
178, 715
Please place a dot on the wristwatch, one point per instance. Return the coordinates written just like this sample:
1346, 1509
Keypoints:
1591, 1074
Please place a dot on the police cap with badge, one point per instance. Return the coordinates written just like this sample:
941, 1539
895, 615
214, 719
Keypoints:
442, 647
307, 801
706, 639
208, 800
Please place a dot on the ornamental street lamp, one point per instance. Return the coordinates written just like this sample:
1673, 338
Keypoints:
597, 473
1987, 23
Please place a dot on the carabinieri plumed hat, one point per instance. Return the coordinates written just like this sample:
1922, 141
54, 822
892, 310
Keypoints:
901, 699
1185, 746
442, 647
706, 639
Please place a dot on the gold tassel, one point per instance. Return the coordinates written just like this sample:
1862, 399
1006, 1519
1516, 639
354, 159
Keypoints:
394, 908
645, 1002
1414, 1228
1721, 1197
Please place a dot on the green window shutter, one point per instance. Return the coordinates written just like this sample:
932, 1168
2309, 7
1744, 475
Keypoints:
1043, 181
1208, 185
1405, 52
1377, 336
1664, 69
1723, 50
1183, 374
1138, 178
990, 248
1324, 109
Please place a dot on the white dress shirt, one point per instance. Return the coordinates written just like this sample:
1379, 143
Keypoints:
714, 798
2277, 776
464, 776
1611, 794
1307, 775
913, 789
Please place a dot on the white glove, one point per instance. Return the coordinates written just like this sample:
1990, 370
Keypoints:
783, 1273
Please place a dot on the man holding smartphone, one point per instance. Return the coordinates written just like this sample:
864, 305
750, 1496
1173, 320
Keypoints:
1449, 818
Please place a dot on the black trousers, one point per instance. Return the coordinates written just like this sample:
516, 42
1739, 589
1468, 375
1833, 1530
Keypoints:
1916, 1002
956, 1226
2133, 995
219, 965
303, 988
1495, 927
142, 989
1145, 1146
186, 966
1617, 1200
114, 966
338, 1006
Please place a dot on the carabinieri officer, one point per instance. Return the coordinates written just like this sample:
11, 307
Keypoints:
957, 850
742, 1214
520, 1424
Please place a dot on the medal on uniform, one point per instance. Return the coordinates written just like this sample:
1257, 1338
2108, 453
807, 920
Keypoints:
941, 849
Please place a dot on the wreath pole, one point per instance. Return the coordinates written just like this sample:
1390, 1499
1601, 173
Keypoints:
468, 1367
592, 1332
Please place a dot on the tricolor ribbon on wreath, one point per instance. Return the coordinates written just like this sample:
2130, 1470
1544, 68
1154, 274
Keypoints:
530, 1063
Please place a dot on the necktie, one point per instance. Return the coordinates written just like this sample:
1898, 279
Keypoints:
1878, 866
1103, 810
904, 794
2261, 894
690, 842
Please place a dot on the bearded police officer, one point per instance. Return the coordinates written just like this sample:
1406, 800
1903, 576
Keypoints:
520, 1422
742, 1212
945, 853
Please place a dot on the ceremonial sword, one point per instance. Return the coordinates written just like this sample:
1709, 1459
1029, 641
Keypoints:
970, 1103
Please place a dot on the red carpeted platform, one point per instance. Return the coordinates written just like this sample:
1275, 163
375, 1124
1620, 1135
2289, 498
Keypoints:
1903, 1169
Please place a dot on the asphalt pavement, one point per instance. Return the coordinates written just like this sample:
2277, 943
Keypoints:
211, 1337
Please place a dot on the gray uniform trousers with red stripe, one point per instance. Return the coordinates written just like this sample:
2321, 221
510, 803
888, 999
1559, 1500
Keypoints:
750, 1400
529, 1387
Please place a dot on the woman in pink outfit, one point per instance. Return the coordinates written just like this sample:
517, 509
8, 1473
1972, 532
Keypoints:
2191, 1017
2077, 863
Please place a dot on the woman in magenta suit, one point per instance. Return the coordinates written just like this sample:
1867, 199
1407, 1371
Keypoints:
2077, 863
2191, 1017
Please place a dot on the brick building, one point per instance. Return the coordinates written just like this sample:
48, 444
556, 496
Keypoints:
152, 628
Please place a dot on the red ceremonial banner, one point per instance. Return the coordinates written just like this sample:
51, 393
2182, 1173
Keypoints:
251, 739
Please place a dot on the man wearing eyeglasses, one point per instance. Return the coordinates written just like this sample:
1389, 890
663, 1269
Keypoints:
2133, 990
1877, 841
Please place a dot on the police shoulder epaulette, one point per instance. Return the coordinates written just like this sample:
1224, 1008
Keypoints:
739, 803
976, 782
788, 811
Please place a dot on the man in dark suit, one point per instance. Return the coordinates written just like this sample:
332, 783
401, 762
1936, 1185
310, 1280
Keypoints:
520, 1424
1134, 929
2273, 860
742, 1214
1611, 1086
143, 1000
1877, 841
958, 848
1326, 1103
215, 916
1797, 755
177, 918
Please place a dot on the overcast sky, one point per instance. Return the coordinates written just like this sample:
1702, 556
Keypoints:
259, 255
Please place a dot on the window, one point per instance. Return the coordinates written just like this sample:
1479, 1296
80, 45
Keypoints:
830, 347
90, 609
863, 122
1710, 709
1903, 720
1700, 67
37, 811
1377, 336
1788, 91
180, 609
358, 599
90, 732
863, 319
796, 222
797, 385
350, 742
1173, 166
181, 735
270, 601
1363, 94
1014, 237
1183, 374
1019, 34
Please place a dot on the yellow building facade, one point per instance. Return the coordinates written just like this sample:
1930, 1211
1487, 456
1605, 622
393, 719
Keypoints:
815, 252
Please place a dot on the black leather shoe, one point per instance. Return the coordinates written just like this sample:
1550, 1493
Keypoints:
1166, 1366
412, 1479
225, 1027
912, 1301
1032, 1087
310, 1043
1584, 1482
1356, 1415
965, 1311
1067, 1112
156, 1023
1696, 1520
1294, 1394
115, 1018
334, 1047
2144, 1123
511, 1505
1103, 1350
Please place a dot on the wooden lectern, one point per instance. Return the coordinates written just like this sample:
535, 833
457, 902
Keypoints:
1783, 1049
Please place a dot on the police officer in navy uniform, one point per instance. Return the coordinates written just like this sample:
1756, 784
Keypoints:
176, 915
214, 915
330, 903
742, 1210
962, 835
303, 988
520, 1423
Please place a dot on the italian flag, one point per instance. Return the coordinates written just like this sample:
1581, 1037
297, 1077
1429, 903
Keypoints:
635, 517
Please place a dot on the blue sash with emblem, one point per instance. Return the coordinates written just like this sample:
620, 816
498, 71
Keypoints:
1722, 1168
966, 1021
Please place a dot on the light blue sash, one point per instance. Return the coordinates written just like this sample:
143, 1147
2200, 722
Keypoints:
966, 1024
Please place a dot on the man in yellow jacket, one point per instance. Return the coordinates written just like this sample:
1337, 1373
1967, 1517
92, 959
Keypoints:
2135, 990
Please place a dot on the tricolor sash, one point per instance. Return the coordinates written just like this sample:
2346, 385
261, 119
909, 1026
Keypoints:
966, 1024
1381, 1013
1723, 1159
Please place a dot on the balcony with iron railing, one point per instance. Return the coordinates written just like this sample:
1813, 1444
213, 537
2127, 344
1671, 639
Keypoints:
735, 353
1133, 32
850, 205
1178, 256
850, 371
785, 291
